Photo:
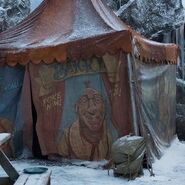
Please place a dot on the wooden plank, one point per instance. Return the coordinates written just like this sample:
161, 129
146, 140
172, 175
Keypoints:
5, 181
7, 166
34, 179
45, 178
4, 137
22, 179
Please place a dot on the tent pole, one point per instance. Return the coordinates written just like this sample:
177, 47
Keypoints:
132, 95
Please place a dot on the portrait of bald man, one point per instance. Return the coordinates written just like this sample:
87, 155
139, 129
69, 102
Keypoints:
87, 138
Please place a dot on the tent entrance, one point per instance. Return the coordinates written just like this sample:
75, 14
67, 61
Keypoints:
36, 146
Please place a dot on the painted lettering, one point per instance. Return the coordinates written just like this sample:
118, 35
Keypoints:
75, 68
10, 86
52, 101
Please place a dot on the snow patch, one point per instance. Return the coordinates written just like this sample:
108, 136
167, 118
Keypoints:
169, 170
183, 3
35, 4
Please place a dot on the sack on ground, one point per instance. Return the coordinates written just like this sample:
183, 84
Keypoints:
127, 156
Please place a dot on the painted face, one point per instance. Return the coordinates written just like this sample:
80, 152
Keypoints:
91, 109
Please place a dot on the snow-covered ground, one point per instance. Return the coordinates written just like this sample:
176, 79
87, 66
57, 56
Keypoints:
183, 3
35, 4
170, 169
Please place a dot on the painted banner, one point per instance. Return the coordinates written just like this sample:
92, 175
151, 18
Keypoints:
82, 106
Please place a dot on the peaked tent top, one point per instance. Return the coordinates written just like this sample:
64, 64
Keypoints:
58, 29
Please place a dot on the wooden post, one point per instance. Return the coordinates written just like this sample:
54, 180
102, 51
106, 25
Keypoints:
132, 95
4, 161
7, 166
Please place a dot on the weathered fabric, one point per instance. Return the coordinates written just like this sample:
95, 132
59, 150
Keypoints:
74, 145
155, 93
155, 90
60, 29
11, 79
89, 92
151, 52
75, 51
11, 120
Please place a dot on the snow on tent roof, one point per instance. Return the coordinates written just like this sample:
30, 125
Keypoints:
58, 29
151, 52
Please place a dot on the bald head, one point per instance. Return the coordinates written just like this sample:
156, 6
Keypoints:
91, 109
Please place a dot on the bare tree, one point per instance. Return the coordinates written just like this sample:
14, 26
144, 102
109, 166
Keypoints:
12, 12
149, 17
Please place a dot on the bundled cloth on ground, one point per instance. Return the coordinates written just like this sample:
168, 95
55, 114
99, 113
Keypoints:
127, 156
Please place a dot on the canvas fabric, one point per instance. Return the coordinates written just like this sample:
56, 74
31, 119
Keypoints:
60, 44
56, 89
11, 118
61, 29
155, 93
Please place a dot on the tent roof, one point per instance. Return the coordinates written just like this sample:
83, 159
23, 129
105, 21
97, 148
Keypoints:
151, 52
58, 29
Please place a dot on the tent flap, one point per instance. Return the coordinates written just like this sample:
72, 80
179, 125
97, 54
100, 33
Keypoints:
155, 90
